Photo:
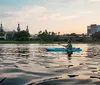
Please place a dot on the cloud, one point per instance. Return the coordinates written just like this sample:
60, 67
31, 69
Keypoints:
60, 17
25, 15
36, 17
94, 0
50, 14
4, 15
55, 1
41, 13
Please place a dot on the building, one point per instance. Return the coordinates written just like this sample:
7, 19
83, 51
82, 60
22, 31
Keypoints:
18, 28
10, 35
93, 28
2, 33
27, 30
98, 28
35, 36
1, 28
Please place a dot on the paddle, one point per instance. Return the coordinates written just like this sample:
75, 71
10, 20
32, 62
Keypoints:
61, 45
2, 80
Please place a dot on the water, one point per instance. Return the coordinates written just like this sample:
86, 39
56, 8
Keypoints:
21, 64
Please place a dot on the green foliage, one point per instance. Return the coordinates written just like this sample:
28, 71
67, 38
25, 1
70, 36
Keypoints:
73, 34
22, 36
46, 36
51, 36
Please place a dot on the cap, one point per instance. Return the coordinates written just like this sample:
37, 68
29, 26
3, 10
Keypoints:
69, 41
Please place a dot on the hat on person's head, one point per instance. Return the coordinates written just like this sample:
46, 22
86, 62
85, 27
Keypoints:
69, 41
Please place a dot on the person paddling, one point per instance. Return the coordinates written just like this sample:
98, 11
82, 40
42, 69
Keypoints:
69, 47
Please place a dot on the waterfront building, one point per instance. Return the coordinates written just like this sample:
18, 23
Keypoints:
98, 28
93, 28
27, 30
2, 33
10, 35
1, 28
35, 36
18, 28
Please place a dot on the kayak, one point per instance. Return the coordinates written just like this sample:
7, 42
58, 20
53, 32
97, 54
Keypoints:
63, 50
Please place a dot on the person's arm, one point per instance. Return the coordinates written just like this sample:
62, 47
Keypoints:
67, 46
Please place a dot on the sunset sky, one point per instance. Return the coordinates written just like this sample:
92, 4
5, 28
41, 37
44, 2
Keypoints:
64, 16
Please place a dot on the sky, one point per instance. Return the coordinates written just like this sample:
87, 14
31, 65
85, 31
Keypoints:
64, 16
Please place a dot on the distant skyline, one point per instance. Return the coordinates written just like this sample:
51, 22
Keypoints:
64, 16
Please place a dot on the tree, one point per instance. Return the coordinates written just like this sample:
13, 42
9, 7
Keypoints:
74, 34
46, 36
22, 35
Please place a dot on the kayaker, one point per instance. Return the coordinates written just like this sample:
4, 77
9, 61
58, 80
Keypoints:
69, 47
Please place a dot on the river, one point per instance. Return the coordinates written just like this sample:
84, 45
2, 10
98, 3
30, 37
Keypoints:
23, 64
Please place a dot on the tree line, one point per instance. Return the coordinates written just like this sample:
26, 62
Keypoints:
50, 36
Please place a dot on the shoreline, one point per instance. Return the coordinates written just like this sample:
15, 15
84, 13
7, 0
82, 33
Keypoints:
43, 42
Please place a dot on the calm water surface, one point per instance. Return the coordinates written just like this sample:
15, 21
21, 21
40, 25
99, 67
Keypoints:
22, 64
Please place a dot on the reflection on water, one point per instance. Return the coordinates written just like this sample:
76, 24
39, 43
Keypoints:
22, 63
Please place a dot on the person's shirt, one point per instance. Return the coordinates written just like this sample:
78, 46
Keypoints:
69, 46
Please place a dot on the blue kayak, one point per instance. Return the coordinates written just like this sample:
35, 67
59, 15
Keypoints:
63, 49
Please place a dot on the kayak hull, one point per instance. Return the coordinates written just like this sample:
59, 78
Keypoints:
63, 50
